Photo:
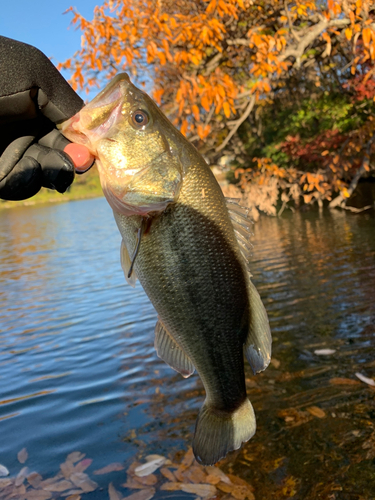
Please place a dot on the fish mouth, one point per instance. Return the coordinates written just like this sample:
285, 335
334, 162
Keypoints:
98, 116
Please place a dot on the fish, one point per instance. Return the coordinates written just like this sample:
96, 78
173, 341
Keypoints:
189, 247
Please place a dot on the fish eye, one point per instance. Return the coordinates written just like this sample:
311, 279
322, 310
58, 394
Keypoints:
139, 118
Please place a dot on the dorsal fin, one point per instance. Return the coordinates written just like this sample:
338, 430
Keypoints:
242, 225
258, 343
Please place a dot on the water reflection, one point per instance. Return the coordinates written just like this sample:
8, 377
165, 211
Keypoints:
78, 369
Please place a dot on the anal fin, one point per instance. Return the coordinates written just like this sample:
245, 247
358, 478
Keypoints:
169, 351
126, 265
258, 344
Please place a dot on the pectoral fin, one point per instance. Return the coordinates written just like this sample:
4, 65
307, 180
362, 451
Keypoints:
137, 247
168, 350
126, 265
258, 343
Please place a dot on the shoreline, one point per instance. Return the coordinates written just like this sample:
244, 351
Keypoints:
6, 205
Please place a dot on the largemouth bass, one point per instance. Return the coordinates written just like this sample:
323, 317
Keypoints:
189, 248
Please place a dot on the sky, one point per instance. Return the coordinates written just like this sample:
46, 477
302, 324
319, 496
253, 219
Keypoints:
42, 23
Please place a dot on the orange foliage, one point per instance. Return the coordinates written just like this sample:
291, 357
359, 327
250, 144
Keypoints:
180, 39
207, 58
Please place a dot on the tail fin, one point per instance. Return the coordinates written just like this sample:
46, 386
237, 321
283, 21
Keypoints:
218, 432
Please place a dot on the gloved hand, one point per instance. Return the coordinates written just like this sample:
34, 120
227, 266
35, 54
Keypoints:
34, 97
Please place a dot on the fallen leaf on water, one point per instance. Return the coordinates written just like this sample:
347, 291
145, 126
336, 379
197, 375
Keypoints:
188, 459
21, 476
113, 493
132, 484
202, 490
82, 480
75, 456
19, 492
51, 480
275, 362
67, 469
59, 486
294, 417
195, 474
242, 492
148, 458
3, 471
179, 473
38, 495
251, 383
22, 456
72, 493
4, 483
316, 411
168, 474
34, 479
226, 488
343, 381
364, 379
290, 487
277, 463
241, 482
324, 352
149, 480
142, 495
172, 486
73, 497
149, 467
116, 466
83, 465
237, 491
211, 479
132, 468
216, 472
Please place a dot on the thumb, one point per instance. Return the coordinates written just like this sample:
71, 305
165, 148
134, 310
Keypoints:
80, 156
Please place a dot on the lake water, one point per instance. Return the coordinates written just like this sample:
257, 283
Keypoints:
78, 370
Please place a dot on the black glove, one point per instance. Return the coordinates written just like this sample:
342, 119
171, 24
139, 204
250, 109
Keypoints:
33, 98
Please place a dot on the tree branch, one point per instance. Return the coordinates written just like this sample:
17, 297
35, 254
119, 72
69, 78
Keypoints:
295, 36
237, 124
239, 41
298, 51
213, 63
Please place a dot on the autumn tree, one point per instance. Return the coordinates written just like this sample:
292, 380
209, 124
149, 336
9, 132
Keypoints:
283, 88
